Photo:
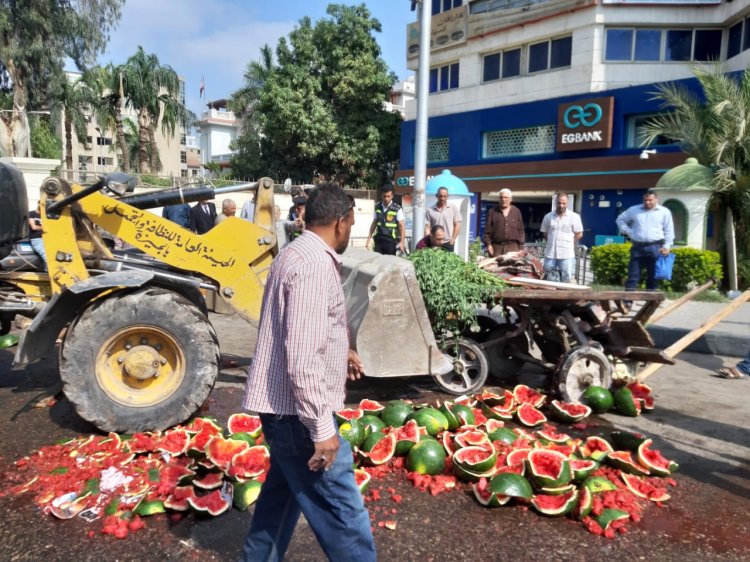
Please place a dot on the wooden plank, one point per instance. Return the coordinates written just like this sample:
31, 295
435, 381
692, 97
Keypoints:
631, 333
649, 355
527, 296
689, 338
548, 284
679, 302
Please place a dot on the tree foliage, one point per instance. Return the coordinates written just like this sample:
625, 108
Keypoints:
44, 142
36, 37
321, 107
713, 125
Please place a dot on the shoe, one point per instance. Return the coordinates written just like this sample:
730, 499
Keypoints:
730, 373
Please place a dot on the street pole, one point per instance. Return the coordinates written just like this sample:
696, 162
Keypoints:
420, 144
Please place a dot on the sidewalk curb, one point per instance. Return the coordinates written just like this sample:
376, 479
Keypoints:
714, 342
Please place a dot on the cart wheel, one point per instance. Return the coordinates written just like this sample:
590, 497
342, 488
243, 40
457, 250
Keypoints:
581, 368
469, 368
500, 356
486, 325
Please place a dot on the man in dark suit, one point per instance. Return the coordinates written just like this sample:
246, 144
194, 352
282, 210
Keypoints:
202, 217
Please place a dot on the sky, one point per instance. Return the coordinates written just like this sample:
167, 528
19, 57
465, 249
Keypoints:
216, 39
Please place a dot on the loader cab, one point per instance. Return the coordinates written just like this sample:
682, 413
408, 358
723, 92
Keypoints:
14, 207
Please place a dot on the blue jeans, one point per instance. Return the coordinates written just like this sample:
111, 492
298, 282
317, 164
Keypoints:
642, 257
559, 270
38, 245
744, 365
330, 499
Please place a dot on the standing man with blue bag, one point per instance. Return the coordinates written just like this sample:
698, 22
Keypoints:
651, 231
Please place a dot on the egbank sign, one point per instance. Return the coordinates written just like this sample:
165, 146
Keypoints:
585, 124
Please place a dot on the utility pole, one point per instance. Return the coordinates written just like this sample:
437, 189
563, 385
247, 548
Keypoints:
420, 144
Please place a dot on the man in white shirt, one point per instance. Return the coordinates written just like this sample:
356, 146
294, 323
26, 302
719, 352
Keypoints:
562, 228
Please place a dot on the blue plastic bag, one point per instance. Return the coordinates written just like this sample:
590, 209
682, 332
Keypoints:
664, 265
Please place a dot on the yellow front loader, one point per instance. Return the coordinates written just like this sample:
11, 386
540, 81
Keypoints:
138, 351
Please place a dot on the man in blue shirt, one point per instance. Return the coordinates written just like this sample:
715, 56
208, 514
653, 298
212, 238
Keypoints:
651, 231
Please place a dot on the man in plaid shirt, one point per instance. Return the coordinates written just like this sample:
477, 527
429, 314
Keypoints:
296, 382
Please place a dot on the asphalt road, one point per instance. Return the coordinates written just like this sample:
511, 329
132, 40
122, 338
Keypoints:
699, 421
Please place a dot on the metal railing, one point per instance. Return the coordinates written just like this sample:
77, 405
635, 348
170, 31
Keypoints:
583, 274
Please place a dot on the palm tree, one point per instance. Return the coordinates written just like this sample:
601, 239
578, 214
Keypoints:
71, 100
107, 83
153, 91
713, 126
244, 101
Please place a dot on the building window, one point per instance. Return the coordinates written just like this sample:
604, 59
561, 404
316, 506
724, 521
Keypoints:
195, 173
183, 157
103, 161
506, 64
519, 142
103, 141
636, 133
734, 44
183, 173
645, 45
437, 149
183, 138
444, 5
552, 54
443, 78
680, 219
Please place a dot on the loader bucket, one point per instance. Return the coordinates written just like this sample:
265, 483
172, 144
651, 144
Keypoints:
388, 323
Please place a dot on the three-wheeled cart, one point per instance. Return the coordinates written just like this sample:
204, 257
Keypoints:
582, 336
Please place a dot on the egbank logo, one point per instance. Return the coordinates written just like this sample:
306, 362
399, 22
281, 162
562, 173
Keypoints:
588, 115
402, 181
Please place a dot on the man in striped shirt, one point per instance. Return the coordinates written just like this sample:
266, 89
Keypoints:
296, 383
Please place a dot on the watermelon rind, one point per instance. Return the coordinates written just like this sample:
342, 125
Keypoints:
348, 414
503, 434
597, 484
625, 402
487, 463
539, 458
624, 461
245, 494
352, 431
149, 507
555, 505
178, 499
564, 411
453, 421
427, 457
209, 481
371, 407
213, 503
498, 412
609, 516
513, 485
371, 423
396, 412
244, 423
529, 416
627, 440
406, 437
378, 449
556, 490
464, 414
654, 461
582, 468
595, 448
431, 419
585, 503
635, 484
362, 479
524, 394
485, 496
242, 468
600, 399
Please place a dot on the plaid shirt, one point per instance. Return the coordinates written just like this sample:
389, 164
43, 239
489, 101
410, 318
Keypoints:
299, 366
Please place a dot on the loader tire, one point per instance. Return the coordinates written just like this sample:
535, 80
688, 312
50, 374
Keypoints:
141, 361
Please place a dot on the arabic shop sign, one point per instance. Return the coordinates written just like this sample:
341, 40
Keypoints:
585, 124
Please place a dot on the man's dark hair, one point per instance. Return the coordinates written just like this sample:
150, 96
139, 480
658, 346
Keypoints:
443, 189
435, 229
326, 204
387, 188
651, 192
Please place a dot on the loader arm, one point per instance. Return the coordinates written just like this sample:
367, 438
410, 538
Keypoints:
236, 254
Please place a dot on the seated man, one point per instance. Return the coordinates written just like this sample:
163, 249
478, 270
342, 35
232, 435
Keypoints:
436, 239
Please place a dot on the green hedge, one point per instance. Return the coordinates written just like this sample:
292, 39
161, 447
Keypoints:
609, 263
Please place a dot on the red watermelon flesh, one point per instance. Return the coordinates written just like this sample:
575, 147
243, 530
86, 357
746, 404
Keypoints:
250, 463
652, 459
178, 499
170, 476
221, 451
644, 488
174, 442
201, 439
530, 416
642, 393
210, 481
526, 395
244, 423
370, 406
144, 442
214, 503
